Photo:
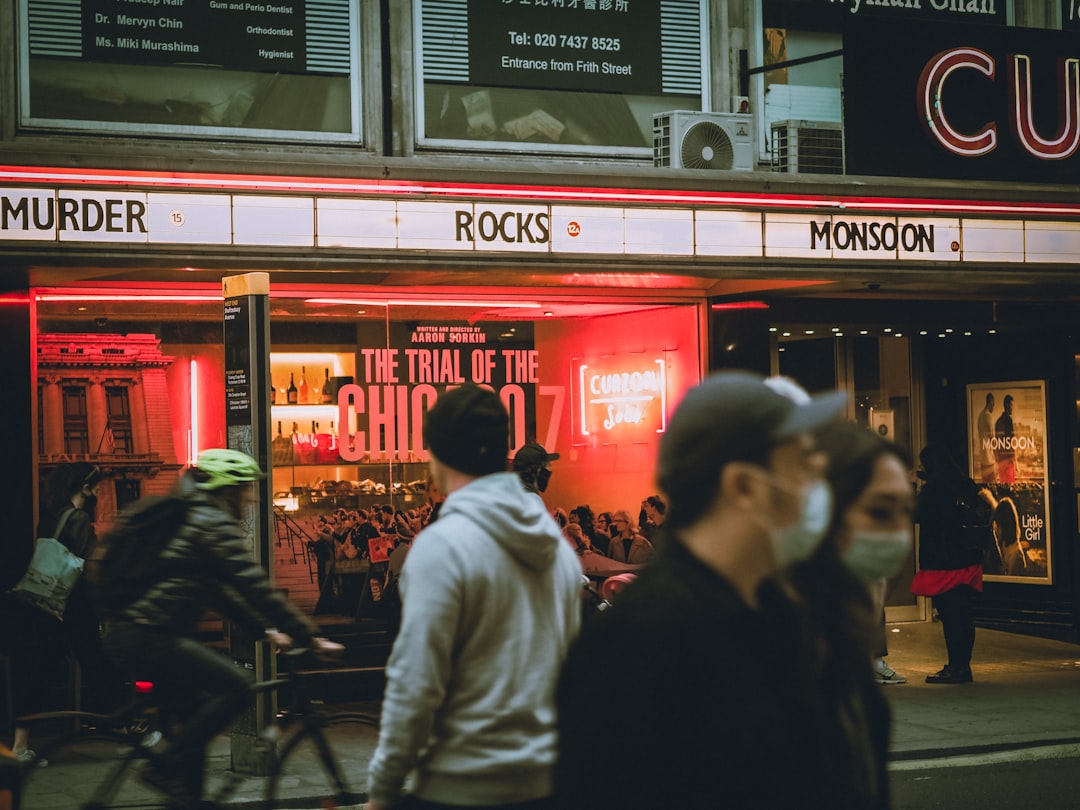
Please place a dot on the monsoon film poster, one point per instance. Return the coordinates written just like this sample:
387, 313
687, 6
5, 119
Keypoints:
1007, 455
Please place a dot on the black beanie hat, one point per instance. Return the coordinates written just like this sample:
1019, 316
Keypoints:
468, 429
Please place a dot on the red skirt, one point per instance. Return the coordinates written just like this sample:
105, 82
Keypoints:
929, 582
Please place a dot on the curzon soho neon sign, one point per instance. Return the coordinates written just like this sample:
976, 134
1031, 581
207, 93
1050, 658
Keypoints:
621, 395
1062, 144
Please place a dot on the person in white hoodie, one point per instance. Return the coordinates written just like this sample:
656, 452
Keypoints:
491, 596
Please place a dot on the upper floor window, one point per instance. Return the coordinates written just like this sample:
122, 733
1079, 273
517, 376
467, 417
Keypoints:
118, 437
282, 69
571, 76
76, 426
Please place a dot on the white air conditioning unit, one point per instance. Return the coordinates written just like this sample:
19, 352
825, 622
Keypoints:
697, 140
808, 147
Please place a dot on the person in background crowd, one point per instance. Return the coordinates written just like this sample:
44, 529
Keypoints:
583, 514
950, 572
560, 517
652, 509
531, 464
868, 540
38, 643
696, 655
604, 530
491, 600
434, 500
627, 545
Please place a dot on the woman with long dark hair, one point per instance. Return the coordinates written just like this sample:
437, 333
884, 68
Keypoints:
869, 538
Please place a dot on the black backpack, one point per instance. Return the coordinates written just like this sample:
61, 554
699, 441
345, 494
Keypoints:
123, 565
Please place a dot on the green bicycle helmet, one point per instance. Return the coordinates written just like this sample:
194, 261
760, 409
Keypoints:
226, 468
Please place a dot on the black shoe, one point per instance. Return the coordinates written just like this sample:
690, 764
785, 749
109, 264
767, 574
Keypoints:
947, 675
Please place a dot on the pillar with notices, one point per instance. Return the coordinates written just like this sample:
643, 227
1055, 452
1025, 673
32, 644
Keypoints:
247, 426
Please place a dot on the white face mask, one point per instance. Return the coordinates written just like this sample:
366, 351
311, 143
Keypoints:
798, 541
877, 555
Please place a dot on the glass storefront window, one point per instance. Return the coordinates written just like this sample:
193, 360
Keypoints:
352, 372
874, 367
222, 68
580, 77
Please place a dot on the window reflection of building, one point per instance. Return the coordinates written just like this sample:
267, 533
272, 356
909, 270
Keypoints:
100, 399
76, 440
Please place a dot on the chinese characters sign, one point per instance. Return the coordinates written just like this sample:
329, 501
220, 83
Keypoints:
611, 46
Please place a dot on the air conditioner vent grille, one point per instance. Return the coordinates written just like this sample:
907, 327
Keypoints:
807, 147
703, 141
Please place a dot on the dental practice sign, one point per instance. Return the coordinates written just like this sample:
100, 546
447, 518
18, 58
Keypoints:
961, 102
253, 35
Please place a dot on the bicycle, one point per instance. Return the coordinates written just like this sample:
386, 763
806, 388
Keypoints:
303, 771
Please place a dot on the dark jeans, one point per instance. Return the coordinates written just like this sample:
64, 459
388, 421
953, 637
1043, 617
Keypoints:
186, 673
954, 608
536, 804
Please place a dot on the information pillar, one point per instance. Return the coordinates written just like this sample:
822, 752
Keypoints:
247, 427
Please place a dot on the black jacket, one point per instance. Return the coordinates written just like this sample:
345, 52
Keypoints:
682, 696
940, 515
208, 565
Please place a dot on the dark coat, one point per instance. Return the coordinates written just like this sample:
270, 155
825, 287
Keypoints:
704, 702
208, 565
941, 516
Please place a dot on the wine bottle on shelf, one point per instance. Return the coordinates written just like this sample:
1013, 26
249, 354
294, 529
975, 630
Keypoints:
273, 392
303, 395
292, 394
282, 448
326, 397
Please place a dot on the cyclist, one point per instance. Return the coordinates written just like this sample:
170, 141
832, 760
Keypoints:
203, 563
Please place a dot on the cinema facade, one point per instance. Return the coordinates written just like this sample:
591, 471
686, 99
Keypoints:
587, 286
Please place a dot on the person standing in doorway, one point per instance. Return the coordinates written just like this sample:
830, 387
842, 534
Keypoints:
491, 600
949, 570
696, 657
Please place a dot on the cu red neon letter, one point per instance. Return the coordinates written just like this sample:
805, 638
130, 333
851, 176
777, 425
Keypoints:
1067, 138
932, 115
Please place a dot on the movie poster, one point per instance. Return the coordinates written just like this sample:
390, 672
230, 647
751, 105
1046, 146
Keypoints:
1007, 454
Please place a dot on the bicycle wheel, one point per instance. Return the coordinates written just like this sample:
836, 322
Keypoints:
87, 771
309, 775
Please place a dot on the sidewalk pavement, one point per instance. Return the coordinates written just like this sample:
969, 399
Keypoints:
1026, 694
1025, 700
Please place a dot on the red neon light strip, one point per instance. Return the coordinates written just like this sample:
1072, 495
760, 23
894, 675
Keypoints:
741, 305
227, 183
